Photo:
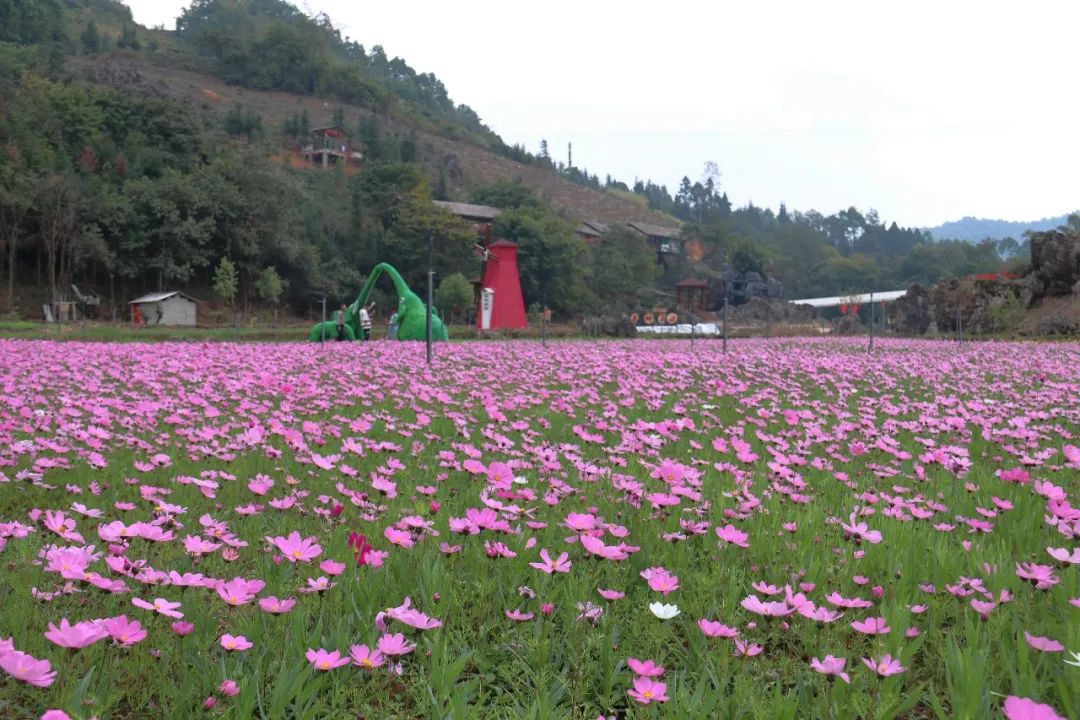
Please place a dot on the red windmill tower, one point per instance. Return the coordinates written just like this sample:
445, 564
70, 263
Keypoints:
500, 303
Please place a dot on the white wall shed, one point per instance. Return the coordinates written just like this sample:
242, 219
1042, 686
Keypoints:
165, 308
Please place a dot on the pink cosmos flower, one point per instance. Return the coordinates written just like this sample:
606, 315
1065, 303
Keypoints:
519, 616
884, 666
274, 606
1063, 555
733, 535
662, 581
1041, 575
237, 643
76, 636
769, 609
713, 628
160, 606
1044, 644
871, 626
819, 614
27, 668
295, 548
395, 644
1018, 708
398, 537
610, 594
55, 715
646, 690
549, 566
182, 628
123, 631
323, 660
317, 585
645, 668
228, 688
332, 567
831, 666
367, 658
746, 649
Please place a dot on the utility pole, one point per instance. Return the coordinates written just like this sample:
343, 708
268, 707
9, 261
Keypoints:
569, 155
322, 325
727, 298
871, 322
430, 289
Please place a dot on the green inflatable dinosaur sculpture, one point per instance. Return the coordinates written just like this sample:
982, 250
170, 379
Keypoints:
411, 313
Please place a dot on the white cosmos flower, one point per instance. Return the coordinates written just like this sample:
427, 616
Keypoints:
521, 480
662, 611
1076, 659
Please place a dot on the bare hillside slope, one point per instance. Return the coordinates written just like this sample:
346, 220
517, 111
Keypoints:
465, 165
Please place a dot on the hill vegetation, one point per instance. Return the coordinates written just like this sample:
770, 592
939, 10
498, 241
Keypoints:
138, 159
972, 229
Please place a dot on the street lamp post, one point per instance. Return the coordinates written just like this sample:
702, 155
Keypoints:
430, 290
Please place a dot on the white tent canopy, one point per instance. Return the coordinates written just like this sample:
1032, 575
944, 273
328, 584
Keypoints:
858, 299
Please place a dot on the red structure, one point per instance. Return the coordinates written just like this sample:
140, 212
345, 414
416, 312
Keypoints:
500, 273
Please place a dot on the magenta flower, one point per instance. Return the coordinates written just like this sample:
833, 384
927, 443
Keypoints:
662, 581
746, 649
237, 591
733, 535
55, 715
160, 606
367, 658
76, 636
395, 644
124, 631
297, 549
322, 660
1018, 708
831, 666
769, 609
549, 566
182, 628
332, 567
713, 628
884, 666
237, 643
1044, 644
646, 690
27, 668
645, 668
871, 626
228, 688
274, 606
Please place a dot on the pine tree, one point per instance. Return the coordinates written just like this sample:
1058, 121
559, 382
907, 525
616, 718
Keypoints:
91, 38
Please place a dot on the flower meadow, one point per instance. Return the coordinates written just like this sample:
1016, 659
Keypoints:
638, 529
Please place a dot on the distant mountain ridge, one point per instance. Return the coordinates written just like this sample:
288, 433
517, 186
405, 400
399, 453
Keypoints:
974, 229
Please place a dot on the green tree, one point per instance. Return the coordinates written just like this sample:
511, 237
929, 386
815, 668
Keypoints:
243, 121
454, 295
226, 280
622, 268
90, 38
269, 285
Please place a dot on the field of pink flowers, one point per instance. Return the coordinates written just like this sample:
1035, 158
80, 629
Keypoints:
797, 529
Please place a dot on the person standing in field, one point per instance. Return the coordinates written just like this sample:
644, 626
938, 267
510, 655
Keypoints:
365, 320
339, 320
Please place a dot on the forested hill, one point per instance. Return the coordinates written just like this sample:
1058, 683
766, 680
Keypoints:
134, 159
972, 229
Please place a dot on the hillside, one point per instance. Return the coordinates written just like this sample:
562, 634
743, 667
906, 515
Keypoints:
464, 164
972, 229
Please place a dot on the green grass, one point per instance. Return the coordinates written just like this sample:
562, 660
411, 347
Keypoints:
482, 665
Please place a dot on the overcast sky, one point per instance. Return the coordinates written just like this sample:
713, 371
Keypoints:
927, 110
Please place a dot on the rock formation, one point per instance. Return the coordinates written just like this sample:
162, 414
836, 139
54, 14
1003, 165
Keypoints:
987, 306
